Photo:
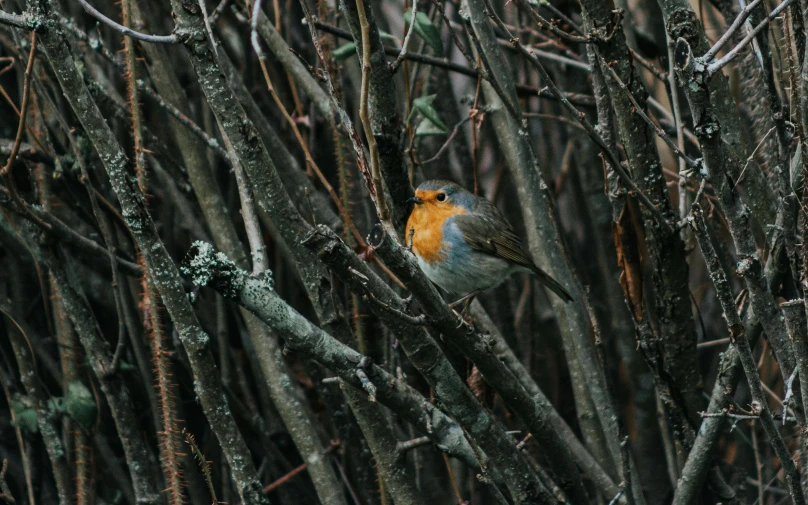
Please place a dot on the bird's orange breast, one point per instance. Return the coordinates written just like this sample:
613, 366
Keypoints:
426, 226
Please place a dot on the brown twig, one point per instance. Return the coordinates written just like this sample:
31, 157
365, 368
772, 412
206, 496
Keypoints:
26, 91
364, 114
283, 480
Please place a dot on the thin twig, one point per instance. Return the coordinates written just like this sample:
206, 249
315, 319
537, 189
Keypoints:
218, 11
448, 141
678, 124
474, 71
364, 115
549, 26
581, 117
406, 318
713, 343
156, 39
734, 27
286, 478
403, 447
394, 66
204, 463
659, 74
26, 92
258, 253
303, 145
717, 65
462, 48
639, 110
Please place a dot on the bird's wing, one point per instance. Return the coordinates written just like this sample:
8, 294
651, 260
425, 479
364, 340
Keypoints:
492, 234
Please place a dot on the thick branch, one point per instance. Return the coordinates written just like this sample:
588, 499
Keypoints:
741, 342
473, 344
257, 295
386, 125
161, 268
428, 358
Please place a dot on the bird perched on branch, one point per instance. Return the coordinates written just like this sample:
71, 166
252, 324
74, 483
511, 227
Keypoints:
464, 244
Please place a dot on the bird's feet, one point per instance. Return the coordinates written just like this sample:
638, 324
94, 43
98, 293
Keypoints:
464, 315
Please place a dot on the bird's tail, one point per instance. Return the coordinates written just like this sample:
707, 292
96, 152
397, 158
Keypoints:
551, 283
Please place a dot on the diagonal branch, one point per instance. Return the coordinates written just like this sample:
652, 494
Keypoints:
740, 341
156, 39
714, 66
161, 268
23, 21
581, 117
256, 294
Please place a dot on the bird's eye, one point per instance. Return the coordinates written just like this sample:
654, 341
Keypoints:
441, 197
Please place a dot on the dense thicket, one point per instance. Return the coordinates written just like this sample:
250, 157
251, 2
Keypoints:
206, 290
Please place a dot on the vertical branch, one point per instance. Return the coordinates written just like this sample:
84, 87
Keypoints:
543, 235
133, 97
204, 465
720, 167
169, 441
665, 248
680, 138
364, 115
45, 416
260, 261
682, 21
794, 314
382, 112
112, 385
5, 171
161, 268
740, 341
71, 358
390, 463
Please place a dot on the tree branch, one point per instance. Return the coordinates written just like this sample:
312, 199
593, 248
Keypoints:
206, 267
155, 39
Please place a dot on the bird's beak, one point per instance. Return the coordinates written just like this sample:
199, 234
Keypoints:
415, 199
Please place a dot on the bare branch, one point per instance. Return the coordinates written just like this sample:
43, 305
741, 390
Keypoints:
730, 31
714, 66
23, 21
155, 39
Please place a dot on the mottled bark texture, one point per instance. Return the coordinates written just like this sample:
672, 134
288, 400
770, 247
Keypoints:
665, 248
306, 355
161, 269
385, 119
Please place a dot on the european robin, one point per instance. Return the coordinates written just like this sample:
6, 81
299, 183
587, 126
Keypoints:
463, 242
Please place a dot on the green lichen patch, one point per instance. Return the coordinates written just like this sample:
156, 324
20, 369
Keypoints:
206, 267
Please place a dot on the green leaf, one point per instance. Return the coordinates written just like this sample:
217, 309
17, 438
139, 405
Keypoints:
386, 36
344, 51
125, 366
426, 30
26, 417
80, 405
427, 128
424, 106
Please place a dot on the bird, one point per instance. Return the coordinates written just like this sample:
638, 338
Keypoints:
464, 244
